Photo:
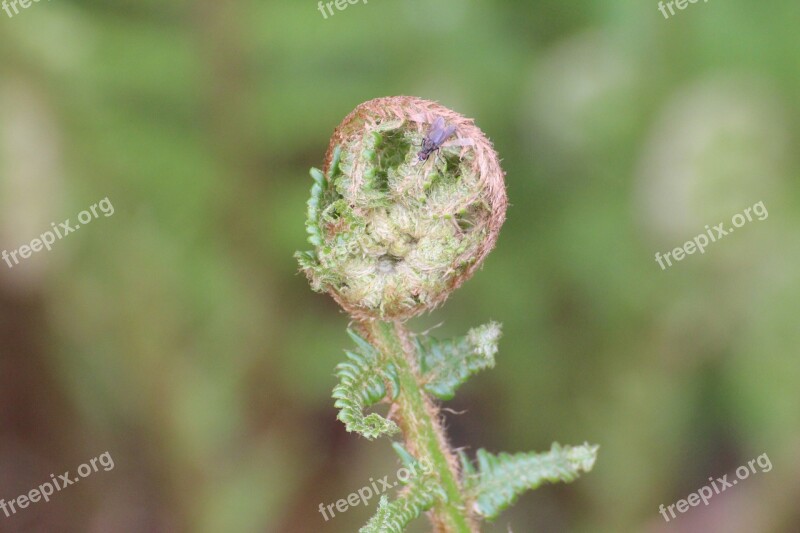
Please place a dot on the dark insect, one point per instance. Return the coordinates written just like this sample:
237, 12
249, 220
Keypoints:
437, 135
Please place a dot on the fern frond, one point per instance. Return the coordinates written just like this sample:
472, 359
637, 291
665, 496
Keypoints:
362, 383
446, 364
420, 496
336, 158
502, 478
313, 206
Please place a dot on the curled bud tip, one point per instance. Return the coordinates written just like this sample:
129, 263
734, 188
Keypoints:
412, 200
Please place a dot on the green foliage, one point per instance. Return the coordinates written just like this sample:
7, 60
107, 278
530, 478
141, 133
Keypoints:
389, 242
362, 383
446, 364
407, 459
418, 497
422, 492
502, 478
368, 376
319, 190
313, 204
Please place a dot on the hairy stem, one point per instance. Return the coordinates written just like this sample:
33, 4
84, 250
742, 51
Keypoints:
420, 421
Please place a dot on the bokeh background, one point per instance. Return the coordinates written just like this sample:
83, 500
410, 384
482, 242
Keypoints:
178, 335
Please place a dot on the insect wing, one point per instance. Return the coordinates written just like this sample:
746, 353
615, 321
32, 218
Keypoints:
437, 125
445, 134
439, 131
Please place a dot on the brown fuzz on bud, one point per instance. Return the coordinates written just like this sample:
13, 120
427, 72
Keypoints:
395, 232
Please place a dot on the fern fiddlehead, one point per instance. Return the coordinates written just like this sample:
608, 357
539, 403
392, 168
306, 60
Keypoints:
394, 233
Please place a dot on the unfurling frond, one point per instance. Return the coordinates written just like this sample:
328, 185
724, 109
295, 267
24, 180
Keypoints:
446, 364
362, 384
502, 478
420, 495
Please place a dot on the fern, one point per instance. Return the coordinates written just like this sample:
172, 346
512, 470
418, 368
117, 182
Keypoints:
445, 365
392, 240
502, 478
313, 207
418, 496
362, 383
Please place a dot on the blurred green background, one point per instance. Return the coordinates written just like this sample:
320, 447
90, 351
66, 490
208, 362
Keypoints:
178, 335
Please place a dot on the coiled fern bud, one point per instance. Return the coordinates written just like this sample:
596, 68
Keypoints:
409, 203
395, 234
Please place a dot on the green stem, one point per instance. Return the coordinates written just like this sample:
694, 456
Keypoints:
420, 421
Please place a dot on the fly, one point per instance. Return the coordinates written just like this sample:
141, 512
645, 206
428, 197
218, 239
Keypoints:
435, 137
